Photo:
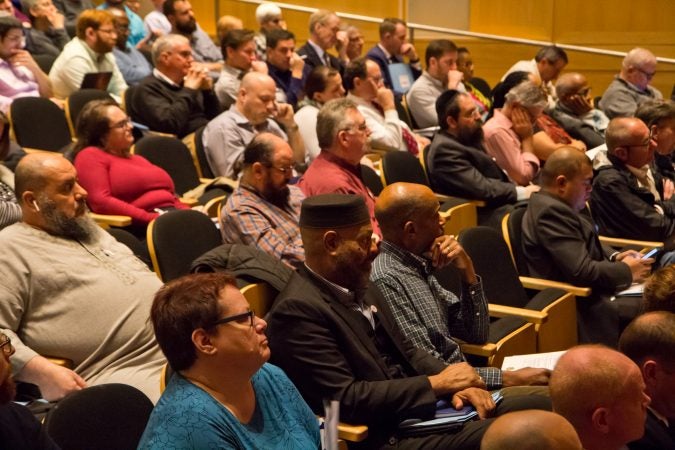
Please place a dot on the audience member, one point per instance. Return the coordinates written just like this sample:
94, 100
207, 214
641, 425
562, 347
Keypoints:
47, 34
343, 137
322, 84
285, 66
575, 113
72, 9
458, 164
226, 24
650, 342
631, 87
659, 116
625, 201
531, 430
355, 42
178, 96
182, 19
134, 5
547, 63
323, 29
269, 17
441, 75
508, 135
601, 393
10, 211
356, 354
363, 81
391, 49
19, 429
20, 76
223, 394
659, 293
428, 315
238, 50
264, 210
117, 181
88, 52
8, 7
131, 62
136, 29
479, 94
155, 22
561, 244
69, 289
255, 111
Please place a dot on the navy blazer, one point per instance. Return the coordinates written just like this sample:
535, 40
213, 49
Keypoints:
312, 59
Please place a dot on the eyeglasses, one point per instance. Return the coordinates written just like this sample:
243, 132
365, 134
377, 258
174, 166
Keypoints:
649, 75
6, 345
361, 127
644, 144
248, 314
284, 170
121, 124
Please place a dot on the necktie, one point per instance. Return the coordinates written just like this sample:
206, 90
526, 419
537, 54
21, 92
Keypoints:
408, 138
326, 59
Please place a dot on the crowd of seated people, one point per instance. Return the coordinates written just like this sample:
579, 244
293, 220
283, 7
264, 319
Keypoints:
291, 117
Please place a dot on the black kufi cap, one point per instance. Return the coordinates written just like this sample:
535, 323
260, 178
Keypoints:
333, 211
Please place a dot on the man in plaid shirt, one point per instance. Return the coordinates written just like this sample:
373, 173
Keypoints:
413, 247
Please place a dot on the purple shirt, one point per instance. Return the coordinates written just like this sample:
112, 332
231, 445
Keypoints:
15, 82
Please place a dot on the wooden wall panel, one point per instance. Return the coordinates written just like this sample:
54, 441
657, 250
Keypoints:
532, 19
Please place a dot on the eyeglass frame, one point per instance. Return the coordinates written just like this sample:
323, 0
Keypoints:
284, 170
121, 124
644, 144
229, 319
7, 344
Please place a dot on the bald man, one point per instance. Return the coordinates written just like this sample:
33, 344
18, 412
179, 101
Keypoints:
255, 111
561, 244
531, 430
650, 342
574, 110
413, 247
626, 201
631, 87
70, 290
601, 393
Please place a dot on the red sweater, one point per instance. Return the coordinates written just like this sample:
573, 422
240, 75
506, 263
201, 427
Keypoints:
126, 186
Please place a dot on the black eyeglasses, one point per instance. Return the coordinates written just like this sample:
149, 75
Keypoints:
6, 345
248, 314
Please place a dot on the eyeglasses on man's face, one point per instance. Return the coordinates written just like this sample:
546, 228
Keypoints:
285, 170
248, 315
643, 144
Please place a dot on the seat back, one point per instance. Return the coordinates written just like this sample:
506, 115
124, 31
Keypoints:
402, 166
260, 297
105, 417
492, 261
76, 102
372, 180
177, 238
30, 114
512, 231
173, 156
201, 154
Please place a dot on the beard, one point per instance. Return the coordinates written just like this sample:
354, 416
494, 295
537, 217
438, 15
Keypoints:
471, 137
355, 275
277, 197
80, 228
188, 27
7, 388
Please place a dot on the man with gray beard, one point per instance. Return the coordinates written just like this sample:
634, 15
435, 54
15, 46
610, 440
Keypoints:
70, 290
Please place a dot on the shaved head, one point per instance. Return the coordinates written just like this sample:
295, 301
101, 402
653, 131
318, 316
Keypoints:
399, 203
531, 430
33, 171
569, 84
566, 161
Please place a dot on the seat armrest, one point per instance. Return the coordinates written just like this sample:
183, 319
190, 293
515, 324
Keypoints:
541, 284
352, 433
189, 201
109, 220
620, 242
530, 315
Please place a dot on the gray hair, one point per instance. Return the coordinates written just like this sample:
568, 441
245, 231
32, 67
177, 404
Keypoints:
331, 119
267, 11
166, 43
319, 17
528, 94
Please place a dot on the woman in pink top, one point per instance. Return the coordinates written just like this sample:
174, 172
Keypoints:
117, 181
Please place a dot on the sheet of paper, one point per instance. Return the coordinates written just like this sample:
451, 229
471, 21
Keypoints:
542, 360
635, 289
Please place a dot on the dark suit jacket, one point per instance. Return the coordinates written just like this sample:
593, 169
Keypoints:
326, 351
561, 244
576, 127
312, 60
657, 435
622, 209
376, 54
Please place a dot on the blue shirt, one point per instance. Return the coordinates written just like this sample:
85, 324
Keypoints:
136, 27
187, 417
132, 64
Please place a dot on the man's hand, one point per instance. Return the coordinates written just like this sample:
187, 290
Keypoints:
54, 381
341, 43
197, 78
385, 98
531, 189
668, 188
528, 376
579, 145
260, 67
421, 141
445, 250
455, 378
579, 104
285, 116
23, 58
297, 65
522, 124
454, 78
55, 18
479, 398
639, 268
408, 50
